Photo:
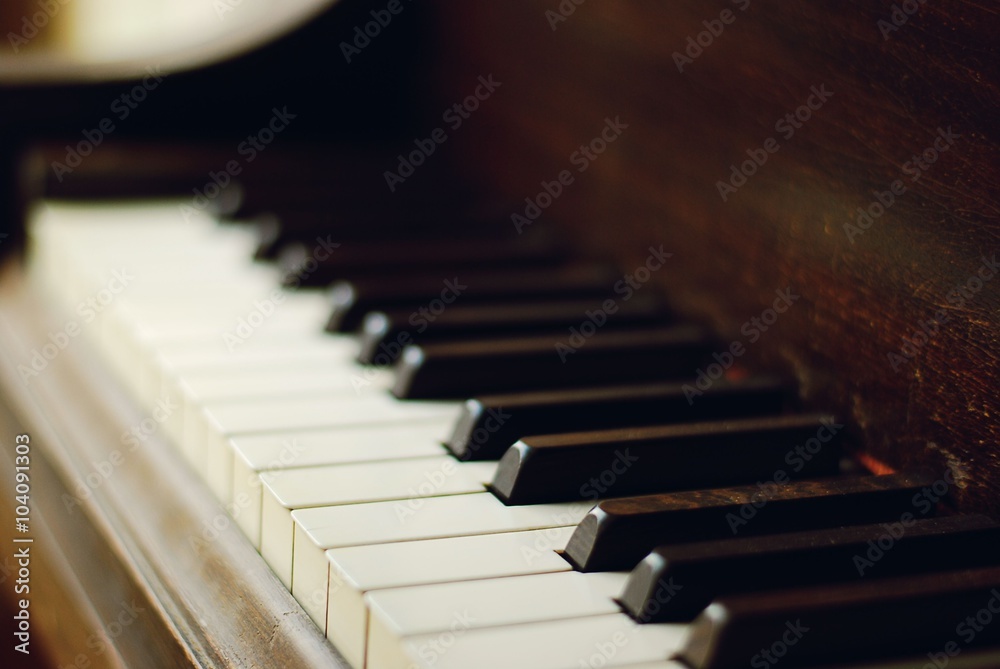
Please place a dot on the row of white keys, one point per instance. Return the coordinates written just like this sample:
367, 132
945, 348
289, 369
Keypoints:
254, 454
397, 614
612, 640
405, 483
320, 529
227, 420
356, 571
385, 602
247, 438
205, 386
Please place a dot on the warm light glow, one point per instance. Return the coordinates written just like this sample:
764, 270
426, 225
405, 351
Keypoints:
115, 39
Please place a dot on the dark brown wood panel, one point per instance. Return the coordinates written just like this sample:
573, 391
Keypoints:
785, 227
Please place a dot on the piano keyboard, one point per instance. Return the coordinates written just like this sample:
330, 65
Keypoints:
442, 513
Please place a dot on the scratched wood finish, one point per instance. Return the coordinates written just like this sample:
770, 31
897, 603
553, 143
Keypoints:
657, 184
209, 599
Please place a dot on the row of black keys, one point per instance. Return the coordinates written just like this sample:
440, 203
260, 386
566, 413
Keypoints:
857, 566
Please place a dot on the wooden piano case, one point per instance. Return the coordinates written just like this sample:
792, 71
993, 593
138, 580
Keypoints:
894, 321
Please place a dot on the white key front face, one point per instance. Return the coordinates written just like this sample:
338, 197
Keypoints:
434, 517
405, 481
179, 323
600, 641
398, 613
375, 482
329, 410
335, 446
357, 570
260, 381
427, 609
279, 415
385, 522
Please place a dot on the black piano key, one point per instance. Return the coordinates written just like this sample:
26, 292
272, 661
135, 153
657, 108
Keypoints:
460, 369
351, 300
301, 266
384, 332
349, 225
619, 533
936, 615
674, 583
646, 460
488, 425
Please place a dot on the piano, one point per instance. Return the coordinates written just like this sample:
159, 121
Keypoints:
544, 335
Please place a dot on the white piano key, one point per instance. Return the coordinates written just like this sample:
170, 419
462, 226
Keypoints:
286, 414
398, 613
264, 452
321, 528
168, 366
139, 322
193, 288
331, 485
357, 570
299, 378
612, 640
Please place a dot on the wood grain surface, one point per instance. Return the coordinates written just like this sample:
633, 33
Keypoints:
862, 296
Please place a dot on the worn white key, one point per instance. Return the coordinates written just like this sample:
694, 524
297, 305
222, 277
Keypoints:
327, 527
210, 385
398, 613
360, 569
613, 640
193, 374
255, 453
170, 365
286, 414
405, 481
137, 328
